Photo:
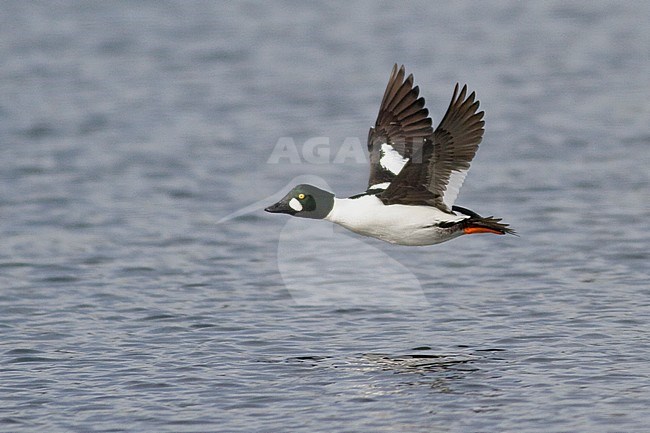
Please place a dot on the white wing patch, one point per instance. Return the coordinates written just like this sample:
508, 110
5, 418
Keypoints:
295, 205
456, 180
390, 159
382, 185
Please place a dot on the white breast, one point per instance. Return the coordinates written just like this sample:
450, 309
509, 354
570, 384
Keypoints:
398, 224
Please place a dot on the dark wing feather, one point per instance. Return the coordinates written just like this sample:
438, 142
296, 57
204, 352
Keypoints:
402, 122
434, 175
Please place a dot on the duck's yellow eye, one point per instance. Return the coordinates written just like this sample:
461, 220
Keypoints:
301, 196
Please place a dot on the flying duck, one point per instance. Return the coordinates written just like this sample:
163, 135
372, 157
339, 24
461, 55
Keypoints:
415, 174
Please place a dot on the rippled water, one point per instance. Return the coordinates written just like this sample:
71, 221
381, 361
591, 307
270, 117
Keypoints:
129, 129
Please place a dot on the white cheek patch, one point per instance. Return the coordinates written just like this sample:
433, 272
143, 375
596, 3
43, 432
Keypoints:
391, 160
295, 205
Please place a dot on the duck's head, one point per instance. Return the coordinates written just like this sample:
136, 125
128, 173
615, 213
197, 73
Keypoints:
305, 201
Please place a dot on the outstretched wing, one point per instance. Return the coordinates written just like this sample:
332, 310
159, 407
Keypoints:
402, 123
434, 176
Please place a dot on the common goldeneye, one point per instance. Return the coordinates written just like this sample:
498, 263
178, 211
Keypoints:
415, 174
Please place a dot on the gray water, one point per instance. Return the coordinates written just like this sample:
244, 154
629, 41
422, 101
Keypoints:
129, 130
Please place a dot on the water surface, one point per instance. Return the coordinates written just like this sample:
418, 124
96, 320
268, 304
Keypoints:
129, 129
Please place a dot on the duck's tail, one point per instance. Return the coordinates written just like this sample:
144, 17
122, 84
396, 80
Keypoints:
478, 224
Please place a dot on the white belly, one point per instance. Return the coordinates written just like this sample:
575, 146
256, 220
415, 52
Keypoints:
397, 224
